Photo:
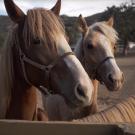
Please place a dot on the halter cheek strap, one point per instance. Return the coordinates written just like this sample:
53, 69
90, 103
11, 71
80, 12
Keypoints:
47, 69
95, 74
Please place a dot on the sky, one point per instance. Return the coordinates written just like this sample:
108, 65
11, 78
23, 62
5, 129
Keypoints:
69, 7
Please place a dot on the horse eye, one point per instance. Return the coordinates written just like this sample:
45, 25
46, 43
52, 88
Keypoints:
115, 47
90, 46
36, 41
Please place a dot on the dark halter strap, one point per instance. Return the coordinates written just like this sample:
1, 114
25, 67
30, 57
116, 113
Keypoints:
95, 74
47, 69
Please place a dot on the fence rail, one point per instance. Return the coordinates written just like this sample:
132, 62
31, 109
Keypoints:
63, 128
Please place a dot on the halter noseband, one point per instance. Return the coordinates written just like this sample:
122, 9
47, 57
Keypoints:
95, 74
47, 69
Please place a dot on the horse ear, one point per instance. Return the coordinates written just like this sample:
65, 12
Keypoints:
110, 22
56, 8
14, 12
82, 24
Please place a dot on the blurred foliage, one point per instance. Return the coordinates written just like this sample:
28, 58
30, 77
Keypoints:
124, 23
71, 26
124, 17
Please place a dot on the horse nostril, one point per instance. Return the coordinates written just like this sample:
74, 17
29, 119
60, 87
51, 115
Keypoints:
80, 91
110, 77
122, 80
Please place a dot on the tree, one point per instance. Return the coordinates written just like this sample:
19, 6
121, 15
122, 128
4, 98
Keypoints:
124, 17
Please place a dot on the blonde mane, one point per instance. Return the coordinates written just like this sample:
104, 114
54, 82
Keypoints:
44, 24
108, 31
122, 112
7, 75
39, 22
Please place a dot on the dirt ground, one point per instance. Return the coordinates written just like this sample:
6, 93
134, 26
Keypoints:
106, 98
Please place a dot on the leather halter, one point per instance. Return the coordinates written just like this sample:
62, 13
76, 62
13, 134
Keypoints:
47, 69
95, 74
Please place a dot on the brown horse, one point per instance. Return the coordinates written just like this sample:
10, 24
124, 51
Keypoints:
37, 55
96, 53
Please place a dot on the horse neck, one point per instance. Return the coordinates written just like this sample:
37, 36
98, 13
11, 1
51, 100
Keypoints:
23, 96
23, 102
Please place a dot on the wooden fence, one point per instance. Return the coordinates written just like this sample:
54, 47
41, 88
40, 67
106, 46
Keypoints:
8, 127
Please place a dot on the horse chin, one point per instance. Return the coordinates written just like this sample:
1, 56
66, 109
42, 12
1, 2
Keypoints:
113, 88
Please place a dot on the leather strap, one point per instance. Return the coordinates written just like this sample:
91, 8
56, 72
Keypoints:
47, 69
